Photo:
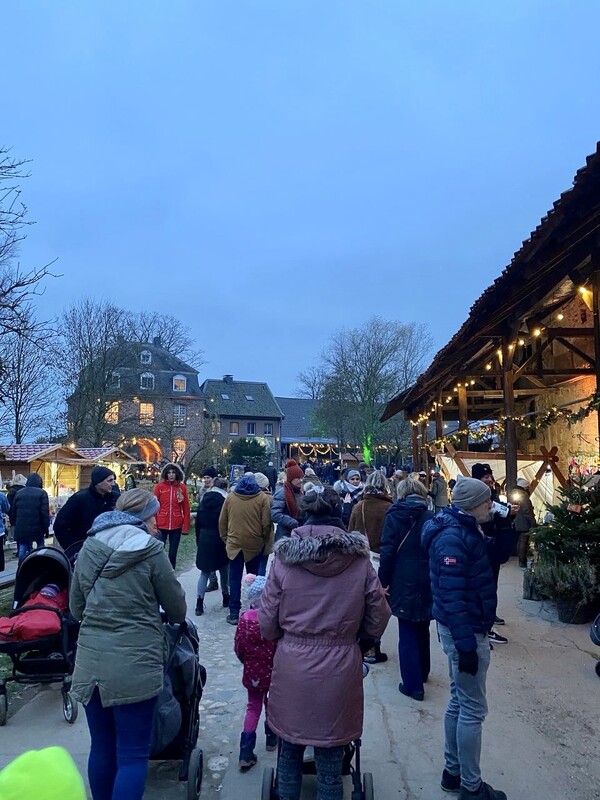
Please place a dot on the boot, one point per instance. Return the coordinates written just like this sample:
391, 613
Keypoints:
271, 739
199, 606
485, 792
213, 584
225, 600
247, 755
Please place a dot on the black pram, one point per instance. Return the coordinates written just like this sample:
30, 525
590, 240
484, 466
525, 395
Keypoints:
177, 717
45, 659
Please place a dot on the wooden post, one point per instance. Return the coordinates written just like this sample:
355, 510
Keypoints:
424, 459
596, 312
510, 428
463, 419
415, 447
439, 418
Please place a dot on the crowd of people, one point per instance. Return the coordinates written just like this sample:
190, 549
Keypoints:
365, 548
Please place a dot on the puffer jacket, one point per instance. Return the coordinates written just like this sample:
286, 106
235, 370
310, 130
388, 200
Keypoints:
280, 514
462, 578
322, 594
404, 564
29, 513
174, 511
122, 576
255, 652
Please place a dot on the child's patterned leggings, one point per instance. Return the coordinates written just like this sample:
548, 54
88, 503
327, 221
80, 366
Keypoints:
328, 761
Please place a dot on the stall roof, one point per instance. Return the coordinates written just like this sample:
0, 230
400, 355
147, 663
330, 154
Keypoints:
104, 453
539, 265
35, 452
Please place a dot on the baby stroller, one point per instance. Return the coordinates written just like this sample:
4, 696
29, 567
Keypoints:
177, 717
362, 785
46, 658
595, 637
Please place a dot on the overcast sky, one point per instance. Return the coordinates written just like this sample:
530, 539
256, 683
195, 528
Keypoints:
270, 171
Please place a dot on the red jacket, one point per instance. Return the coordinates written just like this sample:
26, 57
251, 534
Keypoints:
255, 653
174, 511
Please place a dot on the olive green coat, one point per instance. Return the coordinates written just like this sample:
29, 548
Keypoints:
245, 524
121, 577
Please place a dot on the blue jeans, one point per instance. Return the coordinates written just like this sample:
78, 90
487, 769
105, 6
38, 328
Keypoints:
23, 549
204, 578
413, 654
118, 762
328, 761
174, 536
236, 570
466, 711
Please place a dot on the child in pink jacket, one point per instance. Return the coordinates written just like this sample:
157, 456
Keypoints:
256, 654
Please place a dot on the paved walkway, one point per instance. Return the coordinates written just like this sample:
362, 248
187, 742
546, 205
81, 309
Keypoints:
541, 739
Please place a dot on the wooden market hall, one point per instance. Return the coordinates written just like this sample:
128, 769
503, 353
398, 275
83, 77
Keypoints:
526, 362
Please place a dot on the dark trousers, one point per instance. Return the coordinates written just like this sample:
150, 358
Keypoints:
174, 537
328, 762
118, 762
523, 548
236, 570
413, 654
2, 561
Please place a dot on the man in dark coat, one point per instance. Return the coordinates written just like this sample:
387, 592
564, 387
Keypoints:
463, 586
30, 515
75, 518
271, 474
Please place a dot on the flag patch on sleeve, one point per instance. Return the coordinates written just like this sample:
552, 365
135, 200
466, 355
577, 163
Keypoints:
450, 561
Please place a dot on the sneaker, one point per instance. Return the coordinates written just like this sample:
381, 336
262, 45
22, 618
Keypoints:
450, 783
413, 695
495, 637
232, 619
485, 792
499, 621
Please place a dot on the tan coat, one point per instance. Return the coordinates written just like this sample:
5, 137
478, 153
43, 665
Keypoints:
245, 524
368, 517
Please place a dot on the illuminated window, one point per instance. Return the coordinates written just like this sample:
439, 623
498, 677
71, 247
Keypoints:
251, 428
179, 415
216, 426
179, 447
146, 380
146, 357
179, 383
111, 415
146, 413
268, 429
234, 428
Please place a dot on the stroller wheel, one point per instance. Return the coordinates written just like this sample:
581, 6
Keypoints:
196, 768
597, 673
3, 709
368, 793
70, 708
268, 784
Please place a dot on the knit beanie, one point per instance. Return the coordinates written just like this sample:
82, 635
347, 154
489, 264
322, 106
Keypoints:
209, 472
292, 470
100, 474
262, 480
479, 470
139, 503
254, 585
352, 473
469, 493
49, 773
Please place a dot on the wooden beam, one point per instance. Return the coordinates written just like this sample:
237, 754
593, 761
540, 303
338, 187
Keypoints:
577, 351
423, 460
573, 333
415, 447
596, 312
510, 428
463, 419
439, 417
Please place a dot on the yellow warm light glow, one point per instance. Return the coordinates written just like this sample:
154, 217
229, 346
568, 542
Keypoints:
560, 316
537, 332
521, 342
488, 366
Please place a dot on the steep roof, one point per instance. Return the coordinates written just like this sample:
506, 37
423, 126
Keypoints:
164, 366
297, 424
31, 452
229, 398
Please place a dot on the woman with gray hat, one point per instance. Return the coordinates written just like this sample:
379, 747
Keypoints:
122, 578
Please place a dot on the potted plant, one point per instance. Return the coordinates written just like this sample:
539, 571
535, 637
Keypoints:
572, 584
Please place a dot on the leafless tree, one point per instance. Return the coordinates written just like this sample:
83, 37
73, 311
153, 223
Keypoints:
28, 380
311, 382
145, 326
364, 368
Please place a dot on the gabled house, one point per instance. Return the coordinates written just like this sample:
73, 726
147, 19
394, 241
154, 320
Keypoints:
239, 409
298, 438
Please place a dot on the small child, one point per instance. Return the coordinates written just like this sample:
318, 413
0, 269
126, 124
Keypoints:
256, 654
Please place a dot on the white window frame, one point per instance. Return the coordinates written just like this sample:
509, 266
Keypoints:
268, 429
145, 357
231, 431
179, 415
253, 431
147, 417
146, 375
180, 378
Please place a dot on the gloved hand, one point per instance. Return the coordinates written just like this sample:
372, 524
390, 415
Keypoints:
468, 662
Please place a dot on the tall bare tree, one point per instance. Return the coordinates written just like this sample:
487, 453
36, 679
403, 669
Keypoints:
145, 326
364, 367
311, 382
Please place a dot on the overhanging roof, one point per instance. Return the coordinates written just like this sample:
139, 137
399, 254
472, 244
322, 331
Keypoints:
556, 251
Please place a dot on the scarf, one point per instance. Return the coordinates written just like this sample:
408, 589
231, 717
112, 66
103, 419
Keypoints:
290, 499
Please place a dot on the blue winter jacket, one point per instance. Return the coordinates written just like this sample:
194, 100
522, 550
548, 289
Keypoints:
462, 579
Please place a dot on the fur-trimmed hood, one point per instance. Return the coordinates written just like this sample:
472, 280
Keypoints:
322, 549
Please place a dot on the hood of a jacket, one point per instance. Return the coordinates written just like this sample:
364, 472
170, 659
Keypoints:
212, 500
119, 540
321, 549
247, 486
34, 480
409, 509
448, 517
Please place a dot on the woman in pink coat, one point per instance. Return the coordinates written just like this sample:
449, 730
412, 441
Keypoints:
322, 595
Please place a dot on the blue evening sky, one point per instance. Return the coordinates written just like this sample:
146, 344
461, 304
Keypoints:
272, 170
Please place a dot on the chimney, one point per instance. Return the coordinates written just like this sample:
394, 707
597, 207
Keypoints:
227, 378
156, 341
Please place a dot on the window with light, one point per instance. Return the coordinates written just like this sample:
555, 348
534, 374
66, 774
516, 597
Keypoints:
111, 415
146, 413
179, 383
179, 415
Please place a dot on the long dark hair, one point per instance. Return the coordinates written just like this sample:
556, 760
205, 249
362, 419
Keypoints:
321, 504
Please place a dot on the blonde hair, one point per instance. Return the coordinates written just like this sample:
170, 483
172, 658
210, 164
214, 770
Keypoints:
410, 485
377, 480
